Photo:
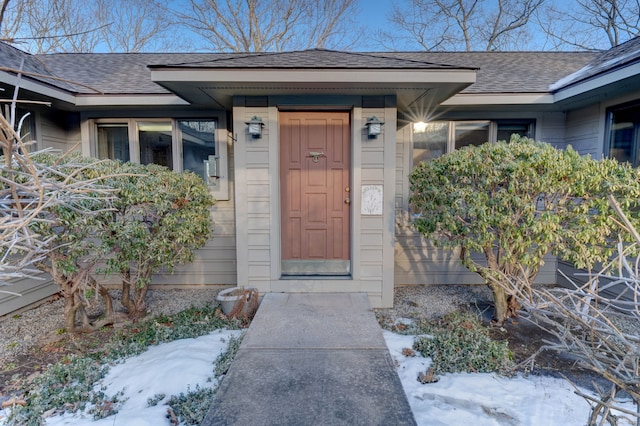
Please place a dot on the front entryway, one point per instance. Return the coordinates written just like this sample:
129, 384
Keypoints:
315, 188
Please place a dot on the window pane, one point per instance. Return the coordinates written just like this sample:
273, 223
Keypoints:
622, 136
113, 142
508, 128
155, 143
429, 140
198, 143
624, 133
471, 133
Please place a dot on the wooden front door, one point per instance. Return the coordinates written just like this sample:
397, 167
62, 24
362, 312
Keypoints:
315, 189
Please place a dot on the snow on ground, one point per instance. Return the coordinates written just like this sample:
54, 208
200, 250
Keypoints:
477, 399
486, 399
169, 368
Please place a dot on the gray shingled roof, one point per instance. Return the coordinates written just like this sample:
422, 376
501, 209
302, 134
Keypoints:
511, 72
622, 55
498, 72
114, 73
317, 59
129, 73
13, 58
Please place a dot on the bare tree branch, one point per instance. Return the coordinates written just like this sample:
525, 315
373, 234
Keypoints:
263, 26
29, 189
591, 24
596, 323
462, 24
47, 26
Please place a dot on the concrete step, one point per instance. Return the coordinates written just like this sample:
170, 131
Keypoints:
312, 359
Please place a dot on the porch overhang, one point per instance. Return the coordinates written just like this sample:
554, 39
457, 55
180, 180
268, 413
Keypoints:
413, 88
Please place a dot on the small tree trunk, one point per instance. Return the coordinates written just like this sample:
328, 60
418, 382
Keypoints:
140, 294
108, 302
81, 311
126, 291
501, 306
140, 303
70, 314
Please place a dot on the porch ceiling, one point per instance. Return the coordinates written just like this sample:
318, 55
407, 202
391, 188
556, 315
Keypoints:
414, 88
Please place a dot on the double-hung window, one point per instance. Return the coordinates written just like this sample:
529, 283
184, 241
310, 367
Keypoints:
195, 145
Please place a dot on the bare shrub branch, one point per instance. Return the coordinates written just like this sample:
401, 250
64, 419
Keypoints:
596, 322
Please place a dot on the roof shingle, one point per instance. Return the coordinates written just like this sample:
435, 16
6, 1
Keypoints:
130, 73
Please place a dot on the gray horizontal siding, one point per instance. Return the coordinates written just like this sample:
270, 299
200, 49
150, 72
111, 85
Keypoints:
215, 263
31, 291
551, 129
583, 130
417, 261
57, 130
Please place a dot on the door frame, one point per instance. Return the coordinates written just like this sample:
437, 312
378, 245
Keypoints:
275, 192
347, 273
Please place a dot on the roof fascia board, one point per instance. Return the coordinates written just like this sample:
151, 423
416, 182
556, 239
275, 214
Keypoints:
37, 87
597, 82
470, 99
301, 75
126, 100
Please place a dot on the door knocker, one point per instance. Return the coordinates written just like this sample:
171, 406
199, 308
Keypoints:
316, 156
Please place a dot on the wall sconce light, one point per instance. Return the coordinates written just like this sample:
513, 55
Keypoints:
255, 126
419, 127
374, 127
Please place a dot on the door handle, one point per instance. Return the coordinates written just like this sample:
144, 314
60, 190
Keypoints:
347, 200
316, 155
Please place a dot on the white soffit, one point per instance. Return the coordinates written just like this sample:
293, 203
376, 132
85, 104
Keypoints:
124, 100
468, 99
319, 76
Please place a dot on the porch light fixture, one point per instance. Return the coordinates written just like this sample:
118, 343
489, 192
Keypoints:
419, 127
374, 127
255, 126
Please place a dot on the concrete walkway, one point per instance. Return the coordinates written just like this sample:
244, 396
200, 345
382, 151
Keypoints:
312, 359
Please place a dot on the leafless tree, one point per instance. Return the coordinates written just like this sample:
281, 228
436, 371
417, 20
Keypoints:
590, 24
462, 24
261, 26
46, 26
136, 25
11, 15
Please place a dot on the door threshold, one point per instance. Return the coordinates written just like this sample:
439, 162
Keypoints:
316, 277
